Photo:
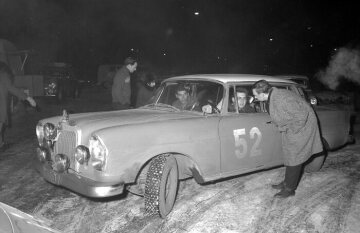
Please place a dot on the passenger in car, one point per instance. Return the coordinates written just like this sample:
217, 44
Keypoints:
242, 102
184, 100
297, 123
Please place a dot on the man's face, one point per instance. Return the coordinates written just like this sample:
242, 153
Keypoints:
260, 97
182, 96
241, 99
132, 68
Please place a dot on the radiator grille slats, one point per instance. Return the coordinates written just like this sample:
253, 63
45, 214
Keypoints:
66, 144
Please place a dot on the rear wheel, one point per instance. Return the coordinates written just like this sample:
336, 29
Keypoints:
161, 185
316, 162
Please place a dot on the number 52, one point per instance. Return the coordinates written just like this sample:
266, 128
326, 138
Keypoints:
241, 145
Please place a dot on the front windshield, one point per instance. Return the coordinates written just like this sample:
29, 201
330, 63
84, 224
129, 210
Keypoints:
187, 95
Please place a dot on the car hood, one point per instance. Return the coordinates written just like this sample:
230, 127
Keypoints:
15, 221
99, 120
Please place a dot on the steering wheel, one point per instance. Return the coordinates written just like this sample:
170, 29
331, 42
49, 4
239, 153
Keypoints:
194, 105
214, 108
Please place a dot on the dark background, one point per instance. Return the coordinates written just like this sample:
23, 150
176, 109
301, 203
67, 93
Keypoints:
178, 36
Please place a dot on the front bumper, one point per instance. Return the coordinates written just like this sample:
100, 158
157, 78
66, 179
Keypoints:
77, 183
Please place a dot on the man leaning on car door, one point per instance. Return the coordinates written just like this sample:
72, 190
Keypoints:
297, 122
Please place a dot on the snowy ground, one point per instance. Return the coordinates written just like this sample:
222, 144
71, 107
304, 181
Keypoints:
326, 201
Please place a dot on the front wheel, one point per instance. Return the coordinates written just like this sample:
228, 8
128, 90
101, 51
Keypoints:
161, 185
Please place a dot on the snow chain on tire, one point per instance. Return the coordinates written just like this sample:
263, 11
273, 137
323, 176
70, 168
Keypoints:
152, 186
161, 185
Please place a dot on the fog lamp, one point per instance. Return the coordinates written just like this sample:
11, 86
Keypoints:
42, 154
50, 131
82, 154
61, 163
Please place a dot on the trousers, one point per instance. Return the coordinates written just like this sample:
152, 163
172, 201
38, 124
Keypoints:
292, 176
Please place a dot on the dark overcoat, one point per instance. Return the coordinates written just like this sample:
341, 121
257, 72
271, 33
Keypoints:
6, 87
297, 122
121, 89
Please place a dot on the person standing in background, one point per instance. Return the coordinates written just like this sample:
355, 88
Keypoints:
121, 87
7, 87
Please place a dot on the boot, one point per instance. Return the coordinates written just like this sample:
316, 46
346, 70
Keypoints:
278, 186
284, 193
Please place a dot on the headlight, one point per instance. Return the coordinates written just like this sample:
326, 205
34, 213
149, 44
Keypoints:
40, 133
98, 153
82, 154
50, 131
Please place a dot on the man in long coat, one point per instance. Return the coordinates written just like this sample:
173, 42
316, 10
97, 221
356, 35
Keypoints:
297, 122
121, 87
6, 87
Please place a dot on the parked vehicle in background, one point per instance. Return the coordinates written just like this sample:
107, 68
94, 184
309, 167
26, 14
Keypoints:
149, 149
303, 81
15, 221
60, 81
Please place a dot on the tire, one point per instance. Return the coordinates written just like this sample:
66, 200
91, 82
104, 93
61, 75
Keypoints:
161, 185
316, 162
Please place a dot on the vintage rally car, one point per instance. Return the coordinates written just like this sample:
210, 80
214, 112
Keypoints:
149, 149
59, 81
15, 221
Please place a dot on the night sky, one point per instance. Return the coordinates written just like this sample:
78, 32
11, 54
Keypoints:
178, 36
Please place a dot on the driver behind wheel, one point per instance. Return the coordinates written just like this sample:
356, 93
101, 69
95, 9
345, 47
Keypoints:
184, 100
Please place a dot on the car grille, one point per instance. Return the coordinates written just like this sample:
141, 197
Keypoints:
66, 144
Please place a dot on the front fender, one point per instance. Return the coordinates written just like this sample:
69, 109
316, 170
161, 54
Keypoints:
130, 146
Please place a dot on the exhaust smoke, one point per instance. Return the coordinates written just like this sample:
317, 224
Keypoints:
344, 64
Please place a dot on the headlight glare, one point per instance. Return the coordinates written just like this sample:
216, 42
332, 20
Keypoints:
98, 153
40, 133
50, 131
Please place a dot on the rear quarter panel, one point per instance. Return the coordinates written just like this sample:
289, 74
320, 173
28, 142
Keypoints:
334, 125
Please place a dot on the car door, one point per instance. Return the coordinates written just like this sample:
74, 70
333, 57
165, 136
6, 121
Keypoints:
249, 141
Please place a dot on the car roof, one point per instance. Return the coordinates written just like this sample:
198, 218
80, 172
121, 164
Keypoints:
228, 78
292, 76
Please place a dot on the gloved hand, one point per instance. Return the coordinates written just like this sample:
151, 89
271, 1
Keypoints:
31, 101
